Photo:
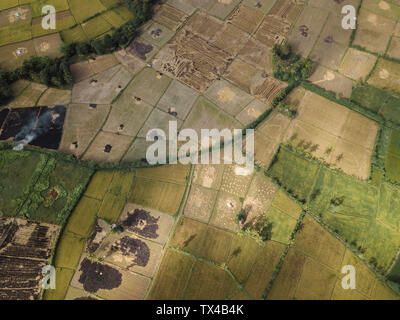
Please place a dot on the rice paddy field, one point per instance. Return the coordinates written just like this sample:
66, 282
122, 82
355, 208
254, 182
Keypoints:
325, 191
21, 23
359, 212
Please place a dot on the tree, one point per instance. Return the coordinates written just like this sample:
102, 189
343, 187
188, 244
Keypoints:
98, 46
5, 89
69, 50
84, 48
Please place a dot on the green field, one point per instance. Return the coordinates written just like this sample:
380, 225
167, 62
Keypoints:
38, 186
294, 173
378, 101
350, 207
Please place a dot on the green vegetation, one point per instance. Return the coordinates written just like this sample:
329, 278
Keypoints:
40, 186
282, 170
378, 101
288, 110
362, 213
289, 66
120, 37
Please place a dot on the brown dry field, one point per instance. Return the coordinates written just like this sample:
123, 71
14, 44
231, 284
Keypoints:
80, 71
386, 76
200, 203
178, 98
230, 39
185, 57
132, 63
253, 81
252, 112
169, 16
350, 135
109, 84
259, 197
272, 30
29, 96
48, 45
327, 53
96, 151
54, 96
394, 49
227, 207
81, 125
373, 31
333, 6
357, 64
228, 97
235, 180
332, 81
268, 135
333, 26
208, 176
307, 29
254, 52
246, 19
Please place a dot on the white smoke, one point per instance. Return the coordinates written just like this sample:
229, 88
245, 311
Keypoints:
29, 138
34, 129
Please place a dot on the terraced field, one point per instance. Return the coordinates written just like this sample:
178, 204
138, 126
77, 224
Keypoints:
325, 192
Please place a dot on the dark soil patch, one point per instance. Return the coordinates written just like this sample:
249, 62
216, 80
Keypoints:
85, 298
140, 49
189, 240
19, 122
135, 247
3, 116
50, 127
141, 222
96, 276
107, 148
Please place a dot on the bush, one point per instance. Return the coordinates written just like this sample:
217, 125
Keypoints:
289, 66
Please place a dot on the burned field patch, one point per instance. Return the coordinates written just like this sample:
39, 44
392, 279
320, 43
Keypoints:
16, 120
146, 223
25, 247
96, 276
49, 128
37, 126
137, 251
141, 222
97, 235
